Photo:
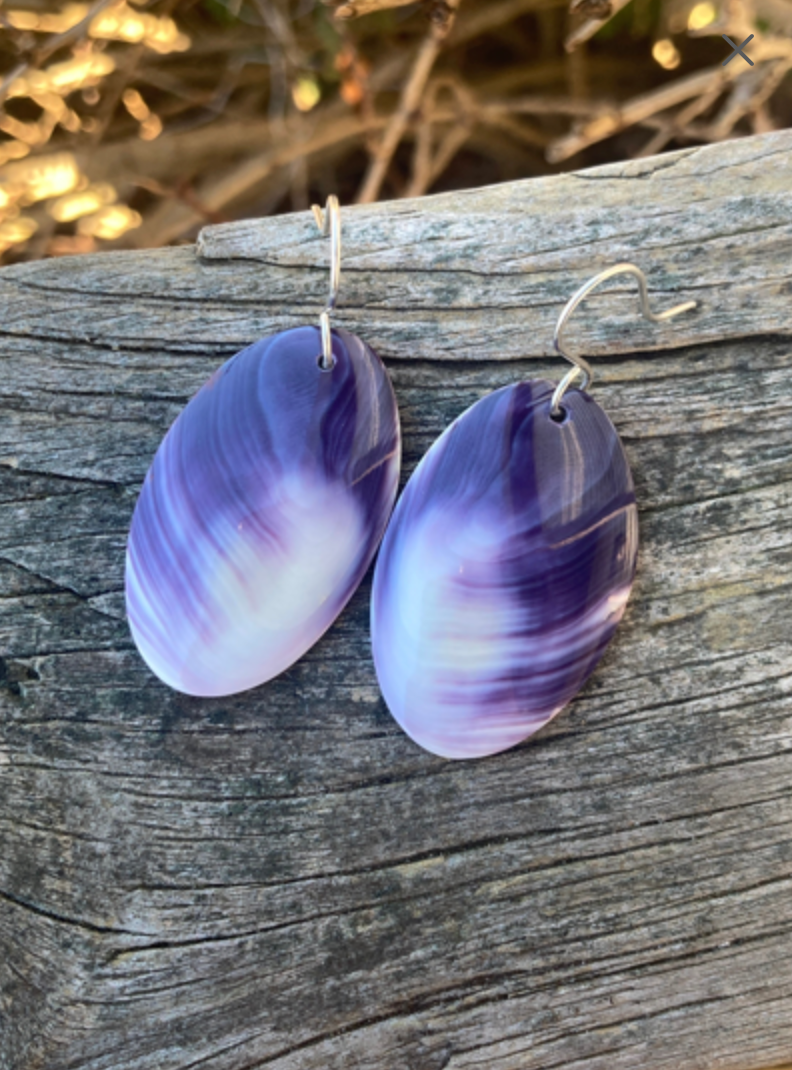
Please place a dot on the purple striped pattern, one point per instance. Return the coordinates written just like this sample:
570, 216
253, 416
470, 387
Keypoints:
504, 572
261, 512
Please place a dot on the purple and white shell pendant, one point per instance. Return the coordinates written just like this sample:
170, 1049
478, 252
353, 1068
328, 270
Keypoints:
263, 507
507, 564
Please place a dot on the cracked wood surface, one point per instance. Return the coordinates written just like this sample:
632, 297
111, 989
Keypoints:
282, 879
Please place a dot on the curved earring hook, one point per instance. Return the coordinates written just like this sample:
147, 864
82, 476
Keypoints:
330, 220
582, 367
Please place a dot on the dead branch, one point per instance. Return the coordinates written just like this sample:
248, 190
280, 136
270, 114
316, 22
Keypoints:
641, 107
605, 10
677, 125
345, 10
408, 104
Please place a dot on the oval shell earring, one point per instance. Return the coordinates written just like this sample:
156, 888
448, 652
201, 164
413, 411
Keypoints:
264, 505
508, 562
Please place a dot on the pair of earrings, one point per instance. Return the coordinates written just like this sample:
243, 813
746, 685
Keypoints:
504, 569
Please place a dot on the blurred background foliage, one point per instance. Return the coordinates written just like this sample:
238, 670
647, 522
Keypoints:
126, 123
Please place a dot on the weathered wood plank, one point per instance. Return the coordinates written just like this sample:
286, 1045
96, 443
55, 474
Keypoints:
281, 878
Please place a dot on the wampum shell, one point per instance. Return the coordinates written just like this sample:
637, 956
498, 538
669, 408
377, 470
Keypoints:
504, 571
262, 510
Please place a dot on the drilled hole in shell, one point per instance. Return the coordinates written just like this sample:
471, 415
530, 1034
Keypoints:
321, 367
559, 417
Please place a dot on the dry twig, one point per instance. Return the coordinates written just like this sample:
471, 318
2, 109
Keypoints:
353, 10
604, 12
407, 106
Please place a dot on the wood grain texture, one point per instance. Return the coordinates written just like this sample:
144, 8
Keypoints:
282, 879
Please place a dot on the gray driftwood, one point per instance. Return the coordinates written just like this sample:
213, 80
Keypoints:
282, 879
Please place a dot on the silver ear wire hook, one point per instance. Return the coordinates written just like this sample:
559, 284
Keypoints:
582, 367
330, 220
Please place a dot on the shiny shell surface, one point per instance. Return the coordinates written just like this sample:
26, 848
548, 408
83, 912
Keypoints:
262, 509
504, 572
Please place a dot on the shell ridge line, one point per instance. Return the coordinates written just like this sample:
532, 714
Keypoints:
593, 527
